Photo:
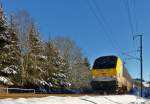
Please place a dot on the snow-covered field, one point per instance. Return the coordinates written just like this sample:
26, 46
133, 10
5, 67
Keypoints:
112, 99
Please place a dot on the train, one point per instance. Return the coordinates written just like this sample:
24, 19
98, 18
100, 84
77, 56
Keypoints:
109, 74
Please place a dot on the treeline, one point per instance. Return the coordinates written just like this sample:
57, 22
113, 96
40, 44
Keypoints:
26, 60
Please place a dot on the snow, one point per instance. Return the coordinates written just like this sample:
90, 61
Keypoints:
111, 99
7, 47
10, 70
2, 36
43, 82
5, 80
43, 57
146, 84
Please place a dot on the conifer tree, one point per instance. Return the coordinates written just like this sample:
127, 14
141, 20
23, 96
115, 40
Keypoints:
4, 39
5, 45
33, 57
56, 67
14, 54
86, 76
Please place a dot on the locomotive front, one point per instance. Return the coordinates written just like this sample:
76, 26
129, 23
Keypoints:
104, 73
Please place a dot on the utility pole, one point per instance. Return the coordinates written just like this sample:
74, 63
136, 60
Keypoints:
149, 81
141, 59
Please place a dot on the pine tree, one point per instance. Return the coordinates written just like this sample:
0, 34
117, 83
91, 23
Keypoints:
4, 37
56, 68
14, 54
5, 47
86, 73
33, 57
86, 62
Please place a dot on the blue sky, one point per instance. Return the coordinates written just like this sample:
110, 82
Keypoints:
75, 19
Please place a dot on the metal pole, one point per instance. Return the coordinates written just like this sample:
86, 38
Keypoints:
141, 61
149, 81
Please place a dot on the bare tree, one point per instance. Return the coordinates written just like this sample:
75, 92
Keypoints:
68, 50
74, 58
23, 23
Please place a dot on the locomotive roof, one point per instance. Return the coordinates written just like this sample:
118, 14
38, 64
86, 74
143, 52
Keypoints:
111, 56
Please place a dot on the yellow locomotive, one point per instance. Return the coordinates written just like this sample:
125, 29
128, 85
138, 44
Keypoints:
109, 74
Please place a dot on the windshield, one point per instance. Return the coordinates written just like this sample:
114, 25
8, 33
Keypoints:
105, 62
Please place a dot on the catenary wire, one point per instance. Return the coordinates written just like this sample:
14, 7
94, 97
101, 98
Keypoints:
101, 21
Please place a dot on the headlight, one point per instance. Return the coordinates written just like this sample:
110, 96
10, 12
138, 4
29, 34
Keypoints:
93, 77
114, 76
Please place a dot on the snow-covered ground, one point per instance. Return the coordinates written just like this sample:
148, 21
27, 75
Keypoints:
112, 99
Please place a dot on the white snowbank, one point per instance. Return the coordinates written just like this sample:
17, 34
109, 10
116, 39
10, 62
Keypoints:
112, 99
